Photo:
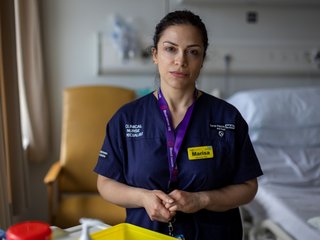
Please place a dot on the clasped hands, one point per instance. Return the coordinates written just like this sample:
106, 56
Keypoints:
163, 207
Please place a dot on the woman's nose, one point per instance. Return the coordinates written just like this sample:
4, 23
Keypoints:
181, 59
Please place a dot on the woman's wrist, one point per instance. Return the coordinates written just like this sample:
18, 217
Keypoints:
204, 199
141, 197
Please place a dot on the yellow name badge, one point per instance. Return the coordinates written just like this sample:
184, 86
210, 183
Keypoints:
202, 152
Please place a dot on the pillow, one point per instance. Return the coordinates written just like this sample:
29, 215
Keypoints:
286, 108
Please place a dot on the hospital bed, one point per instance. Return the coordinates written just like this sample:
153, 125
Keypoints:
284, 126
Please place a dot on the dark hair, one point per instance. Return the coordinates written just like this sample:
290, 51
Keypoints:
178, 18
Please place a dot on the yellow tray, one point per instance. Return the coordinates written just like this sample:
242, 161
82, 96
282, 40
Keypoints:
126, 231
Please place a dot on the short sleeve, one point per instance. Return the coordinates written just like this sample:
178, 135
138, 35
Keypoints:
247, 163
110, 160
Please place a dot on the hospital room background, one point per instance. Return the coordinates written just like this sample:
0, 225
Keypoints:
263, 57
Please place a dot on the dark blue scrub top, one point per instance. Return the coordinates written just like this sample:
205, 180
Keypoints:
134, 152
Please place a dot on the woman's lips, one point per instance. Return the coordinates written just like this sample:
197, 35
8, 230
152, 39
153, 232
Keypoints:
179, 74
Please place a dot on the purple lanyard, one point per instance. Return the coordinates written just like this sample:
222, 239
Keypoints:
174, 142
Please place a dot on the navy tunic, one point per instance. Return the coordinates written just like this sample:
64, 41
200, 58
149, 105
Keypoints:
134, 152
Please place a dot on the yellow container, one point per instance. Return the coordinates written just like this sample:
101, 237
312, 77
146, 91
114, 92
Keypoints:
126, 231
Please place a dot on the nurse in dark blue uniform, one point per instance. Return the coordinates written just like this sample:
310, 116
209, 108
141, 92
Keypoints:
179, 160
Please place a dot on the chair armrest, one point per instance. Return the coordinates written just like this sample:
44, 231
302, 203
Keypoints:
53, 173
53, 194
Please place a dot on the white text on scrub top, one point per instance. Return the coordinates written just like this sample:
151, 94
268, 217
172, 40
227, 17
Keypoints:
134, 130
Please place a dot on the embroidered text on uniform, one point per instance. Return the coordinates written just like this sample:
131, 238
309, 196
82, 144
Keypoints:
134, 130
223, 127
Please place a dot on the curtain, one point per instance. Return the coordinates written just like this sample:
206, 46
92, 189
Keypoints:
32, 85
5, 195
13, 200
5, 200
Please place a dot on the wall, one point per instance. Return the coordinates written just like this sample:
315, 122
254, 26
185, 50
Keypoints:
70, 30
274, 52
70, 40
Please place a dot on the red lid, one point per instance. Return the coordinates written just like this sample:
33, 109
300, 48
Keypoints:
30, 230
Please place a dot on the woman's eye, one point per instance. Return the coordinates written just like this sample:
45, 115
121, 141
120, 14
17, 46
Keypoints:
193, 52
170, 49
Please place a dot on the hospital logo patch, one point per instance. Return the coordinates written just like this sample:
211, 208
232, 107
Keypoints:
134, 130
221, 128
221, 133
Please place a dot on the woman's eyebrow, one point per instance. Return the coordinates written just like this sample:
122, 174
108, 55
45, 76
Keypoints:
192, 45
172, 43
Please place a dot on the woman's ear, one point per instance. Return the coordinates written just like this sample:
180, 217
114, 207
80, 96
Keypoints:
154, 55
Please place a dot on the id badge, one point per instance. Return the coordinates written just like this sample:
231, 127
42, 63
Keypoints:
201, 152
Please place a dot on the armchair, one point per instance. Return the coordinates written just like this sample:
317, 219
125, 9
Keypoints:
71, 182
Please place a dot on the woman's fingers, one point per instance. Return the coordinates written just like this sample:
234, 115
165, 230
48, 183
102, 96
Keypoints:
164, 197
154, 204
184, 201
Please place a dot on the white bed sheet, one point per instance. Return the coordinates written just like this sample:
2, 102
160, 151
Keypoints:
289, 166
289, 191
284, 126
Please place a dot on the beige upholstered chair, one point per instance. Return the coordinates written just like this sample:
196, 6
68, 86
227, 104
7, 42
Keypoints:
71, 181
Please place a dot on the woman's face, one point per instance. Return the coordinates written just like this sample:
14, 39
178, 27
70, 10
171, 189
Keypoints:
179, 56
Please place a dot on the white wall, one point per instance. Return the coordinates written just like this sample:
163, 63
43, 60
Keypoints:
70, 31
272, 53
70, 47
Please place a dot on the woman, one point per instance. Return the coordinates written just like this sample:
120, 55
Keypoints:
179, 160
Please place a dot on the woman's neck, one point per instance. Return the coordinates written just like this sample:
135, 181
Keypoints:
178, 101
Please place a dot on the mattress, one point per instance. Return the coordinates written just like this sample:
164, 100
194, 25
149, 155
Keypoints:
284, 126
289, 191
